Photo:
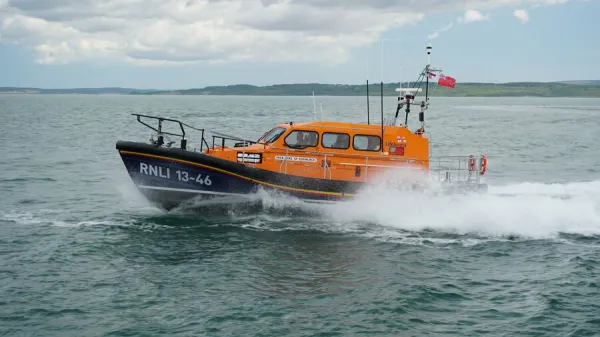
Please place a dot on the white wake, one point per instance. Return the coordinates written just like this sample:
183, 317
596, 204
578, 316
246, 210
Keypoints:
530, 210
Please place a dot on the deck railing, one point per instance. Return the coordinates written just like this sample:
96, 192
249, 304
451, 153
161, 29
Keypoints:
465, 169
447, 168
161, 133
444, 168
457, 168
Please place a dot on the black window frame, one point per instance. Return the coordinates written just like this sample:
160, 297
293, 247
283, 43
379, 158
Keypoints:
301, 146
367, 150
273, 129
336, 148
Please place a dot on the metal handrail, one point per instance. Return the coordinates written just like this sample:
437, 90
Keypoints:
181, 124
375, 165
460, 166
326, 168
284, 161
162, 119
319, 125
342, 154
224, 139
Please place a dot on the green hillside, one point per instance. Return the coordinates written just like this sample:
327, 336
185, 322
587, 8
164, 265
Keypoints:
553, 89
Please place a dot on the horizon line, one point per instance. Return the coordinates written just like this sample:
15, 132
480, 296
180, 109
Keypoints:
575, 82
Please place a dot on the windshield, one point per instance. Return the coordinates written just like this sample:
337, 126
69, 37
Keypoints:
272, 135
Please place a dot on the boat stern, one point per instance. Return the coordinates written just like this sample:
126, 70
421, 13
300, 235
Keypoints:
460, 174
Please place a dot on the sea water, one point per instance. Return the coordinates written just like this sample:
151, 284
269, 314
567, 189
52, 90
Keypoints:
83, 254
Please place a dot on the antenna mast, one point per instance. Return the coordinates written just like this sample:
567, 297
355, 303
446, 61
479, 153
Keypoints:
314, 106
322, 118
400, 76
425, 103
382, 142
411, 92
368, 101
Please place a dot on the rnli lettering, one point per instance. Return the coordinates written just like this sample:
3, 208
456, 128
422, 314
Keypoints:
155, 170
165, 172
300, 159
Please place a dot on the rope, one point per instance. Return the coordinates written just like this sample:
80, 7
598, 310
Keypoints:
434, 89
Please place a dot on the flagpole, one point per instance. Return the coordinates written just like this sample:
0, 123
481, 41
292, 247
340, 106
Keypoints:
427, 86
427, 73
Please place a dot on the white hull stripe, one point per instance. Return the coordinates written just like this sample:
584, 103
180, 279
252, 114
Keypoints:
185, 190
220, 193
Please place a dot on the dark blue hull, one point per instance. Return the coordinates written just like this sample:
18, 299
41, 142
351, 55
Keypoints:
169, 184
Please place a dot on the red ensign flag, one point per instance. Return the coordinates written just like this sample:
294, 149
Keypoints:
446, 81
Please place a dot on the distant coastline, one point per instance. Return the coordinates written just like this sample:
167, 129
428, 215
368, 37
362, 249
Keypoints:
514, 89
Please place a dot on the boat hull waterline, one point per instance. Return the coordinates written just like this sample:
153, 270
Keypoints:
170, 177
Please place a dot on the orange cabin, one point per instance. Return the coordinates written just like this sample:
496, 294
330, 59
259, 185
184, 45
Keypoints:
331, 150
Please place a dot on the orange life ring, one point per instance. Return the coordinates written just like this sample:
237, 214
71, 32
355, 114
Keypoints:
483, 164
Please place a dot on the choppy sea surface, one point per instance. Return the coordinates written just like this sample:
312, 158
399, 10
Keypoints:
83, 254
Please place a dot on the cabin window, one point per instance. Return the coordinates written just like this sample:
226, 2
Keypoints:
367, 143
272, 135
302, 139
332, 140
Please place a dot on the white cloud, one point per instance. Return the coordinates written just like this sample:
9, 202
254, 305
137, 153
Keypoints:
522, 15
441, 30
147, 32
472, 15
